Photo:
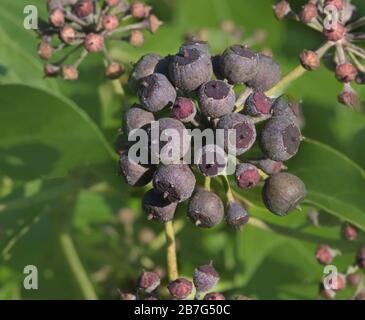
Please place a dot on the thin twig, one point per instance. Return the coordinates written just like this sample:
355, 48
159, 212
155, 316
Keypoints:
171, 251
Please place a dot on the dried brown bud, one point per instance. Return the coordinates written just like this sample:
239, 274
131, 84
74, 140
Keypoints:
114, 70
308, 13
346, 72
70, 72
310, 60
57, 17
281, 9
349, 98
45, 50
153, 23
51, 70
324, 254
136, 38
335, 34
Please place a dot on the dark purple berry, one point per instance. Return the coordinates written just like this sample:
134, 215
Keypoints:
205, 278
244, 129
214, 296
149, 281
216, 98
236, 215
158, 208
176, 182
184, 109
217, 67
267, 74
143, 68
283, 192
360, 258
247, 176
281, 108
189, 69
257, 104
269, 166
180, 288
280, 139
135, 174
136, 118
201, 46
156, 92
239, 64
211, 160
205, 208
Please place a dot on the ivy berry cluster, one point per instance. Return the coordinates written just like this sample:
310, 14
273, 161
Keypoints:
193, 89
83, 27
338, 22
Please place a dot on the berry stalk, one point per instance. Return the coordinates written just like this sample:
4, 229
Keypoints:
78, 270
171, 251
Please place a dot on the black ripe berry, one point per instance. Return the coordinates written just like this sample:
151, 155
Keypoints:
280, 139
216, 98
211, 161
247, 176
184, 109
214, 296
267, 74
283, 192
143, 68
149, 281
268, 166
205, 208
239, 64
189, 69
236, 215
281, 108
180, 288
205, 278
136, 118
156, 92
257, 104
176, 182
158, 208
201, 46
244, 129
135, 174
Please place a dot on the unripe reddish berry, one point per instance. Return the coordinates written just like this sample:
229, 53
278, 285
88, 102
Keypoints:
214, 296
338, 4
247, 176
184, 109
339, 282
57, 17
324, 254
112, 3
149, 281
114, 70
281, 9
136, 38
336, 33
326, 293
51, 70
360, 258
205, 278
310, 60
68, 34
257, 104
110, 22
349, 98
83, 8
308, 13
354, 279
45, 50
349, 232
94, 42
180, 288
346, 72
70, 72
138, 10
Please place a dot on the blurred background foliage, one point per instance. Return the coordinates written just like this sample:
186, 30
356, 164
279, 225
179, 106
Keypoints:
60, 193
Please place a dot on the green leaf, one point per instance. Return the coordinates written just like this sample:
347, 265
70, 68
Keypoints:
47, 136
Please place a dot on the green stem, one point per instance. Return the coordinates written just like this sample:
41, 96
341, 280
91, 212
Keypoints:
76, 266
171, 251
207, 181
229, 193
